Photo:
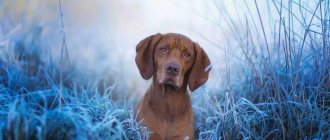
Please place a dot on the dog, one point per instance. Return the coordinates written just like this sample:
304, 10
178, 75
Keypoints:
174, 62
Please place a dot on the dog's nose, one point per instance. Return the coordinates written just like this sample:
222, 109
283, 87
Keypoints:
172, 68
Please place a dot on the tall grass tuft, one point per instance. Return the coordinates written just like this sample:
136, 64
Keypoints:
39, 100
282, 89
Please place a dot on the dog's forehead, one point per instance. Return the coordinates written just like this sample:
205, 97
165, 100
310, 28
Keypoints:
177, 40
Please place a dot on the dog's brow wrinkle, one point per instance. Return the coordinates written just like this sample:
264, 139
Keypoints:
208, 68
177, 40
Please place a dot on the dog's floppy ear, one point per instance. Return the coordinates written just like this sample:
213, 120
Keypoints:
200, 69
144, 55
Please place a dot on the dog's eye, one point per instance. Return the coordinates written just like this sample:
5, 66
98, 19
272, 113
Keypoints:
186, 54
164, 50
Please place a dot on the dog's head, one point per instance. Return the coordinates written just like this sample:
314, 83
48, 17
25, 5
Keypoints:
173, 59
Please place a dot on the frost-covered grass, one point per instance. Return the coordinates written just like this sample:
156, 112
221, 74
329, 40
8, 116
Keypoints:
31, 106
280, 88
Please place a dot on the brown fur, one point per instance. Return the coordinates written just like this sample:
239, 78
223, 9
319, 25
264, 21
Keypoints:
166, 107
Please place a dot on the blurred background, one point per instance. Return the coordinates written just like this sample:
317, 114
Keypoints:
101, 35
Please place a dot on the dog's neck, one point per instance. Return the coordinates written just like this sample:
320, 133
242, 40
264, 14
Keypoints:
173, 102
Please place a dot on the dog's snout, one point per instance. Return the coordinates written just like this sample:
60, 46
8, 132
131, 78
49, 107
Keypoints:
172, 68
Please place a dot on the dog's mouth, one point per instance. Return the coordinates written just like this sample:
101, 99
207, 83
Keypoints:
169, 82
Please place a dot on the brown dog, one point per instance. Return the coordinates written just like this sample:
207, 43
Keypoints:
174, 62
